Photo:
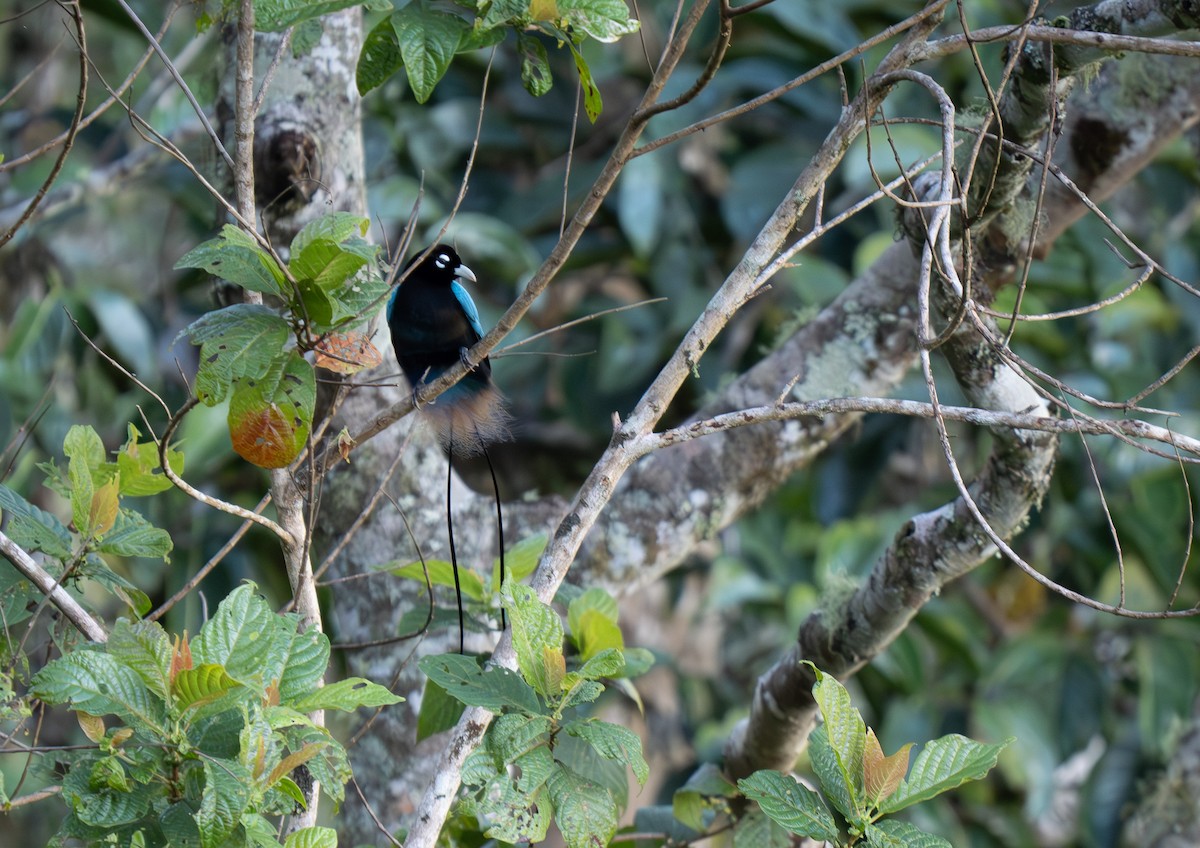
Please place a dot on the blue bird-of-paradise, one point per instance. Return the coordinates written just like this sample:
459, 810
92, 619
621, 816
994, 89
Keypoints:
433, 322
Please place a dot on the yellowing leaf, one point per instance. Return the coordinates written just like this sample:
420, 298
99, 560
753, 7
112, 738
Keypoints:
270, 417
103, 512
293, 761
93, 726
555, 666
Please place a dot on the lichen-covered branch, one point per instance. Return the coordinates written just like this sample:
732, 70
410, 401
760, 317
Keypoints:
931, 550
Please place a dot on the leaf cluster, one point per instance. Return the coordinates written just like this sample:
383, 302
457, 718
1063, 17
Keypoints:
481, 598
423, 37
101, 525
540, 761
206, 735
253, 354
861, 783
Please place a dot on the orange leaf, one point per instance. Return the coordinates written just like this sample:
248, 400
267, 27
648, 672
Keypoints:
346, 353
345, 444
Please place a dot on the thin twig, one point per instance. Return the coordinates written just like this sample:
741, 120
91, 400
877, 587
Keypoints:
178, 77
72, 129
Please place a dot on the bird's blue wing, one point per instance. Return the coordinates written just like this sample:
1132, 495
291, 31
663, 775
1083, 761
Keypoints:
468, 306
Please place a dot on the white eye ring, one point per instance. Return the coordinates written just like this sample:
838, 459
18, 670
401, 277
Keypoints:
442, 260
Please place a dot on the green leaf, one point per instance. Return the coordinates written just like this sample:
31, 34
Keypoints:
139, 469
107, 773
829, 772
535, 64
226, 794
98, 684
501, 12
495, 689
95, 568
33, 528
144, 647
330, 766
513, 735
85, 453
942, 765
428, 40
534, 768
92, 796
690, 801
379, 58
596, 633
243, 340
584, 812
194, 687
637, 661
579, 691
270, 416
236, 257
613, 742
537, 635
328, 263
441, 573
519, 561
305, 37
592, 600
351, 301
479, 768
312, 837
593, 105
607, 663
243, 636
300, 665
439, 711
515, 816
756, 830
335, 227
794, 807
603, 20
133, 536
690, 808
847, 736
642, 194
892, 833
179, 825
348, 695
278, 15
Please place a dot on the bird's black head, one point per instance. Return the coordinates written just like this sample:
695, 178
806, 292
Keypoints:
440, 264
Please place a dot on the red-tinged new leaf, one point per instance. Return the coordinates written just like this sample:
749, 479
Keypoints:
882, 775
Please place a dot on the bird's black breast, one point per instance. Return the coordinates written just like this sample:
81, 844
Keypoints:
430, 331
